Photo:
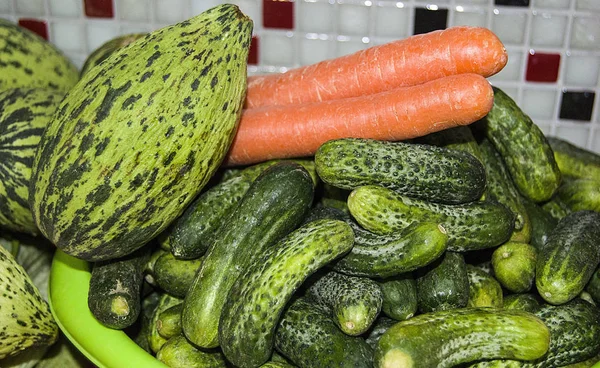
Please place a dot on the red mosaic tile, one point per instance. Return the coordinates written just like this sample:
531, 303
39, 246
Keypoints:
253, 52
542, 67
37, 26
278, 14
99, 8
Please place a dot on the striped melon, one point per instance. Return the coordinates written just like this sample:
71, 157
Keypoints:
27, 60
107, 48
24, 114
140, 135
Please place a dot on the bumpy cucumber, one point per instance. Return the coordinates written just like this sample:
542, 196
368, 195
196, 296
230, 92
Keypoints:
155, 340
258, 297
527, 302
574, 161
444, 284
581, 194
514, 266
470, 226
168, 324
448, 338
542, 223
484, 289
177, 352
399, 297
175, 275
457, 138
593, 286
567, 261
271, 364
355, 302
556, 208
103, 51
422, 171
276, 202
310, 339
523, 147
379, 327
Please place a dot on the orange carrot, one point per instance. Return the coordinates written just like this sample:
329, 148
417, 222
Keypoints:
276, 132
407, 62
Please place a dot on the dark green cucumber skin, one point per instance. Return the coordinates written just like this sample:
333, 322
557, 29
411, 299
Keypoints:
580, 194
275, 204
514, 266
355, 302
449, 338
556, 208
542, 223
470, 226
169, 322
457, 138
381, 324
175, 276
500, 188
399, 297
118, 278
527, 302
523, 147
258, 297
422, 171
178, 352
444, 284
155, 340
593, 286
567, 261
138, 137
103, 51
310, 339
484, 289
574, 161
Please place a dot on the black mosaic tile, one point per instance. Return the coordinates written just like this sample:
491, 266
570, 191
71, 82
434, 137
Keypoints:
512, 2
429, 20
577, 105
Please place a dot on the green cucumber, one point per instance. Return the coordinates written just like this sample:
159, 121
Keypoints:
258, 297
457, 138
470, 226
103, 51
169, 322
175, 275
165, 301
381, 324
514, 266
444, 284
140, 135
542, 223
523, 147
310, 339
569, 258
416, 170
272, 364
275, 204
556, 208
448, 338
177, 352
581, 194
484, 289
355, 302
593, 286
575, 161
399, 297
527, 302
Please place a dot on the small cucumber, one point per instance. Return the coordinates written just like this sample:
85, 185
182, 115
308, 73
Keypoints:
574, 161
444, 284
381, 324
416, 170
514, 266
399, 297
258, 297
527, 302
542, 223
484, 289
448, 338
470, 226
457, 138
569, 258
175, 275
169, 322
310, 339
276, 202
155, 340
355, 302
177, 352
580, 194
523, 147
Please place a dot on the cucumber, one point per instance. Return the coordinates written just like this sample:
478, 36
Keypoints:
168, 324
177, 352
593, 286
569, 258
310, 339
422, 171
381, 324
580, 194
115, 290
448, 338
257, 298
574, 161
458, 138
355, 302
587, 297
399, 297
155, 340
271, 364
556, 208
527, 302
542, 223
175, 275
524, 148
444, 284
514, 266
276, 202
470, 226
484, 289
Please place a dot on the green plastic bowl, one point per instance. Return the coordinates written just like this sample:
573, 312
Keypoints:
105, 347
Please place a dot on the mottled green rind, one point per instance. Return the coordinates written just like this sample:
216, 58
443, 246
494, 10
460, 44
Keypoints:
275, 204
381, 324
581, 194
524, 148
527, 302
470, 226
169, 322
24, 114
593, 286
484, 289
542, 223
155, 340
448, 338
29, 61
514, 266
422, 171
175, 276
138, 137
179, 353
103, 51
443, 285
309, 338
556, 208
25, 317
574, 161
399, 297
258, 297
567, 261
355, 302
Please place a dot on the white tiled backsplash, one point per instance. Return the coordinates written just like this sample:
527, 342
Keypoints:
313, 30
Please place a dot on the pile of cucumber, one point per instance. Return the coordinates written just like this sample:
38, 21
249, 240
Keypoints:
474, 246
